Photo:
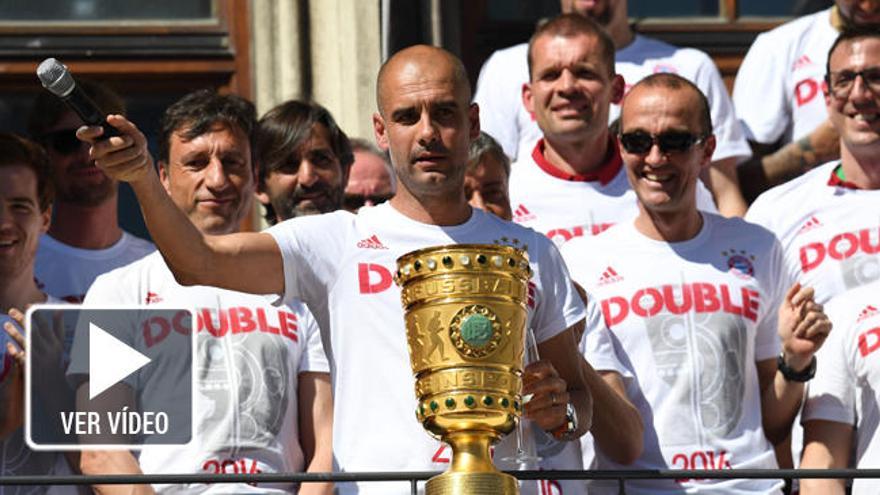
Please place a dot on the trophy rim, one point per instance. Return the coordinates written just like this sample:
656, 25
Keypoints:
500, 248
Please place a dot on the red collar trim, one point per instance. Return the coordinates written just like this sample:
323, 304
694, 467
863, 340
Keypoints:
836, 181
606, 173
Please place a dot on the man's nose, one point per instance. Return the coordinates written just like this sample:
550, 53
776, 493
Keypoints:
306, 174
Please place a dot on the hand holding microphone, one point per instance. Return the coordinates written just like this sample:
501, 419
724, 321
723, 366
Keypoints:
56, 78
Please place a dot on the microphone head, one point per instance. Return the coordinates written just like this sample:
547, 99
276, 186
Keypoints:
55, 77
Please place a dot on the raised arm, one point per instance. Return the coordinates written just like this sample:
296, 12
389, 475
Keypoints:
246, 262
803, 327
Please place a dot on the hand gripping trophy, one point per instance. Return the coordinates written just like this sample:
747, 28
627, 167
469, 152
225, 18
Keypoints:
465, 311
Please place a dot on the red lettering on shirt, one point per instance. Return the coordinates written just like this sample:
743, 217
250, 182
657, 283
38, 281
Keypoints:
840, 247
562, 235
370, 284
869, 341
699, 297
805, 91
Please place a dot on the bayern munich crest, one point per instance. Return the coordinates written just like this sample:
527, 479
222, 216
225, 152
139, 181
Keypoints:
475, 331
740, 263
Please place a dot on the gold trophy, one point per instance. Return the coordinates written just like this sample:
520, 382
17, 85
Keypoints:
465, 311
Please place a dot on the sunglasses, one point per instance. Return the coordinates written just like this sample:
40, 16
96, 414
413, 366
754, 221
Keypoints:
356, 201
640, 142
63, 142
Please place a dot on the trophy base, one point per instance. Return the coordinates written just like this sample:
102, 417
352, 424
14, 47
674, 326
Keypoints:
472, 484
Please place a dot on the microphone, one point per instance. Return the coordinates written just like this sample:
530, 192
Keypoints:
56, 78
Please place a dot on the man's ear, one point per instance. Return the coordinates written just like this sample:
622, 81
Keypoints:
380, 131
618, 87
527, 101
474, 119
46, 219
164, 177
708, 151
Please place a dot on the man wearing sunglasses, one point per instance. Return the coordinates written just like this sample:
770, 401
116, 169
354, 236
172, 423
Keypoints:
699, 304
304, 160
572, 184
85, 239
371, 180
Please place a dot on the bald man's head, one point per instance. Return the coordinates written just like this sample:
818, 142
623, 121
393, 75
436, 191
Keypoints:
429, 61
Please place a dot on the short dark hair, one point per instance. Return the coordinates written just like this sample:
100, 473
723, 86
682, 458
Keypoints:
849, 33
16, 150
675, 82
283, 129
486, 145
571, 25
198, 112
48, 109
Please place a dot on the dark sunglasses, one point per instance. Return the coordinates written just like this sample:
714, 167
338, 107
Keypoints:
63, 142
356, 201
640, 142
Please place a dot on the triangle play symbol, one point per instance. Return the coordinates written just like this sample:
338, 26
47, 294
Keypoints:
110, 360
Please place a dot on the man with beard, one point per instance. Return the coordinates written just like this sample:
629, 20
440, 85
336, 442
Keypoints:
85, 239
507, 120
304, 159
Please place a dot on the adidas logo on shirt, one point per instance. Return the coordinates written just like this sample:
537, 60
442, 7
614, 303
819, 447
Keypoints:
866, 313
609, 276
522, 214
812, 223
371, 242
803, 61
152, 298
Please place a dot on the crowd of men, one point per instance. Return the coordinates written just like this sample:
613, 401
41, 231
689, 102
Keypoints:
677, 327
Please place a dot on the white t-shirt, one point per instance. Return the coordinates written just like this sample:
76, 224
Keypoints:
830, 234
249, 354
16, 458
67, 272
845, 389
503, 116
563, 208
693, 318
346, 262
778, 89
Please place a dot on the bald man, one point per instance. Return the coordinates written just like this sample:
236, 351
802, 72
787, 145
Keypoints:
340, 264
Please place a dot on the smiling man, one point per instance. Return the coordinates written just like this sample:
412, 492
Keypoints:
573, 183
699, 305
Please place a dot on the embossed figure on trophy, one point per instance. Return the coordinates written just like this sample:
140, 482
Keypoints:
435, 328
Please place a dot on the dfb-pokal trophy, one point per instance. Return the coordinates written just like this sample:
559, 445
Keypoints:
465, 311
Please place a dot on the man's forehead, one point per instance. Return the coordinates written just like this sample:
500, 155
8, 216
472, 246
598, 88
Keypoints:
858, 51
16, 178
645, 105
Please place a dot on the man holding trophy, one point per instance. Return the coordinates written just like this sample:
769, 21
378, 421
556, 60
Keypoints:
344, 265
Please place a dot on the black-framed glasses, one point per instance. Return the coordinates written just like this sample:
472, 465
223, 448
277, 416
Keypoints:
841, 83
640, 142
63, 141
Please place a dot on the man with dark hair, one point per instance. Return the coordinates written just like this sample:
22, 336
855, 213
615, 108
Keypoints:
26, 195
371, 180
635, 56
778, 94
343, 263
699, 305
303, 159
572, 183
263, 395
85, 239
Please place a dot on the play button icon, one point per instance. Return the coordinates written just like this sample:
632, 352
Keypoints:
109, 378
119, 360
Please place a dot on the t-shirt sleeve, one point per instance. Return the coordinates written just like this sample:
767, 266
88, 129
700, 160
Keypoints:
499, 97
767, 342
313, 358
831, 393
597, 344
759, 91
311, 248
731, 140
557, 303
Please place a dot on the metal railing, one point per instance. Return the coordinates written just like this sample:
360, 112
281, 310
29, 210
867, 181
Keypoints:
414, 477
